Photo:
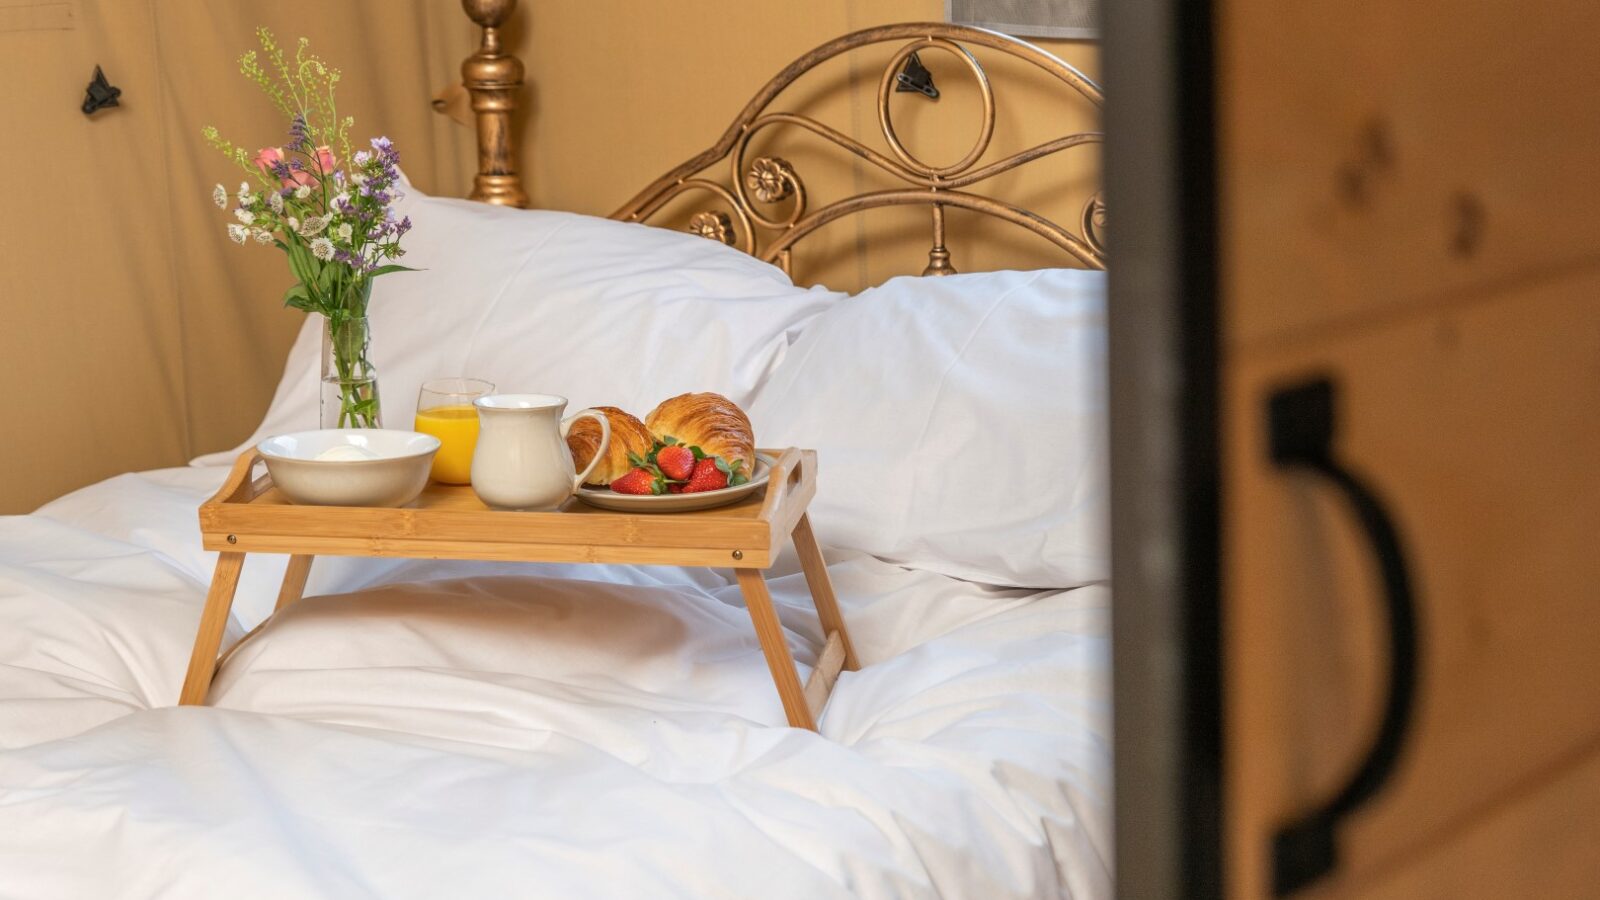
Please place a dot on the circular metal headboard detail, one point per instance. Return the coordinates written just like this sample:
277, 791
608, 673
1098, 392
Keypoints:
766, 200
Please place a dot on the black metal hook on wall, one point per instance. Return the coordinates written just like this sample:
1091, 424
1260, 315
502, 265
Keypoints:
100, 93
915, 78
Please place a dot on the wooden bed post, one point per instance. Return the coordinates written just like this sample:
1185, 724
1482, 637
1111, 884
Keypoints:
493, 79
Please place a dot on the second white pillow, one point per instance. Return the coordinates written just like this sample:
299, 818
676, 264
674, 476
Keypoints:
960, 424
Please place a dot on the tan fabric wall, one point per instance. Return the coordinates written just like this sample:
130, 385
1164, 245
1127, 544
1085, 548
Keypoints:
135, 335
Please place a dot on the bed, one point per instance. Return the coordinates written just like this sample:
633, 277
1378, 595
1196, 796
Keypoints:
428, 728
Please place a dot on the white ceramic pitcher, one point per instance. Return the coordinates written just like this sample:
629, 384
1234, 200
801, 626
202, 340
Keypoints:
522, 460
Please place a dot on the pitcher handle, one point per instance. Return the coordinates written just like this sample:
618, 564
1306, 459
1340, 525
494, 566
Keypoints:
605, 442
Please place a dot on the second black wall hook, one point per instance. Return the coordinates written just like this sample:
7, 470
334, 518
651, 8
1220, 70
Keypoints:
915, 78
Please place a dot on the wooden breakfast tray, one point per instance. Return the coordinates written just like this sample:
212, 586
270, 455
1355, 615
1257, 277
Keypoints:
249, 515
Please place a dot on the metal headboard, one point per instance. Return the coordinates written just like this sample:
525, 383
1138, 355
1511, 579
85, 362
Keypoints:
761, 206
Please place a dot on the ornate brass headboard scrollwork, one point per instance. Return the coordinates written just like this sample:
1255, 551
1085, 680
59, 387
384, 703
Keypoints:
761, 204
757, 189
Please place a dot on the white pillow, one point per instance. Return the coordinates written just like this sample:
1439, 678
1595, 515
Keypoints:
601, 312
960, 424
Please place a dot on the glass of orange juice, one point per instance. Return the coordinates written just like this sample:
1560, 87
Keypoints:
445, 410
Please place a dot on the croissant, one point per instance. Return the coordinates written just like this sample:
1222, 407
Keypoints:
628, 435
711, 422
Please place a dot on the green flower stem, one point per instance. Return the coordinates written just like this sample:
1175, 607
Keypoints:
358, 401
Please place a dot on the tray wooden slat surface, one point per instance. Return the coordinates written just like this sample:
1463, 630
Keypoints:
249, 515
450, 522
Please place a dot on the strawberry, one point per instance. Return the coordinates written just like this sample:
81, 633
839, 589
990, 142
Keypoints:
676, 488
709, 474
639, 480
675, 461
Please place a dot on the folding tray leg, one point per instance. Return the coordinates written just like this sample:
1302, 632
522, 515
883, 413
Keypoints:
821, 586
219, 600
294, 580
776, 649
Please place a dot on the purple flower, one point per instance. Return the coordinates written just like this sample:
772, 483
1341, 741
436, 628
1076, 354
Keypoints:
299, 133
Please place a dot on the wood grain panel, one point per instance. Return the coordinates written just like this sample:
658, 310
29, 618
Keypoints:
1480, 424
1411, 151
1541, 844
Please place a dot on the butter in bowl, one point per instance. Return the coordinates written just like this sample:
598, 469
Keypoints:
350, 466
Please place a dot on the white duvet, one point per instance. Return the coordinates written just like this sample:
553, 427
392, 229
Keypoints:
534, 731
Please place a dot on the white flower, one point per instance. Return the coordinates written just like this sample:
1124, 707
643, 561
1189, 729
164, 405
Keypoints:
358, 178
361, 157
219, 196
342, 199
322, 248
262, 236
302, 192
245, 216
237, 233
275, 202
313, 225
244, 190
294, 224
344, 233
248, 200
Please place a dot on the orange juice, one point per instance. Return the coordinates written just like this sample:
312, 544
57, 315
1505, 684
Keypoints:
456, 427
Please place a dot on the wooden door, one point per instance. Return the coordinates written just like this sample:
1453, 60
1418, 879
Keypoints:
1409, 208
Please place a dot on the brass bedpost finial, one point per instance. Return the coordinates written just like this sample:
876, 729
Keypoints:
493, 79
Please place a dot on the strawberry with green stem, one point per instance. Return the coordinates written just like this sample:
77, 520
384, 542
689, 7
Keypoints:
643, 478
712, 473
675, 460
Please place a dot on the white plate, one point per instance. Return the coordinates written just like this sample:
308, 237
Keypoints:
606, 498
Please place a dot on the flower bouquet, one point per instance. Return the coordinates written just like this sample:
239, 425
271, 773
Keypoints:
330, 211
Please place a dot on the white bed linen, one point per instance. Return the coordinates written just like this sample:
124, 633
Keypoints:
549, 737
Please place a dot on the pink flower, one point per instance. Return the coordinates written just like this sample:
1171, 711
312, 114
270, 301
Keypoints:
267, 157
325, 159
268, 160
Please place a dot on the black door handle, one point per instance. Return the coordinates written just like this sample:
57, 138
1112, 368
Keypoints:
1301, 423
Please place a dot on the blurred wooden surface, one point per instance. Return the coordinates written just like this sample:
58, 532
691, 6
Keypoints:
1409, 199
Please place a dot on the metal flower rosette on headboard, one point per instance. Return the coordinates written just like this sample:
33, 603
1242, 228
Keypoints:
329, 210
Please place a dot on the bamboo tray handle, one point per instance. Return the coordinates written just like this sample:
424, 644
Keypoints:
239, 488
786, 471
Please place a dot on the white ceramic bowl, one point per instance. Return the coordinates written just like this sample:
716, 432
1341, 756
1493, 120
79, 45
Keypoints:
372, 466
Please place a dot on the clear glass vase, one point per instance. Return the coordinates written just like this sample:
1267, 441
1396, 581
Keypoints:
349, 380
